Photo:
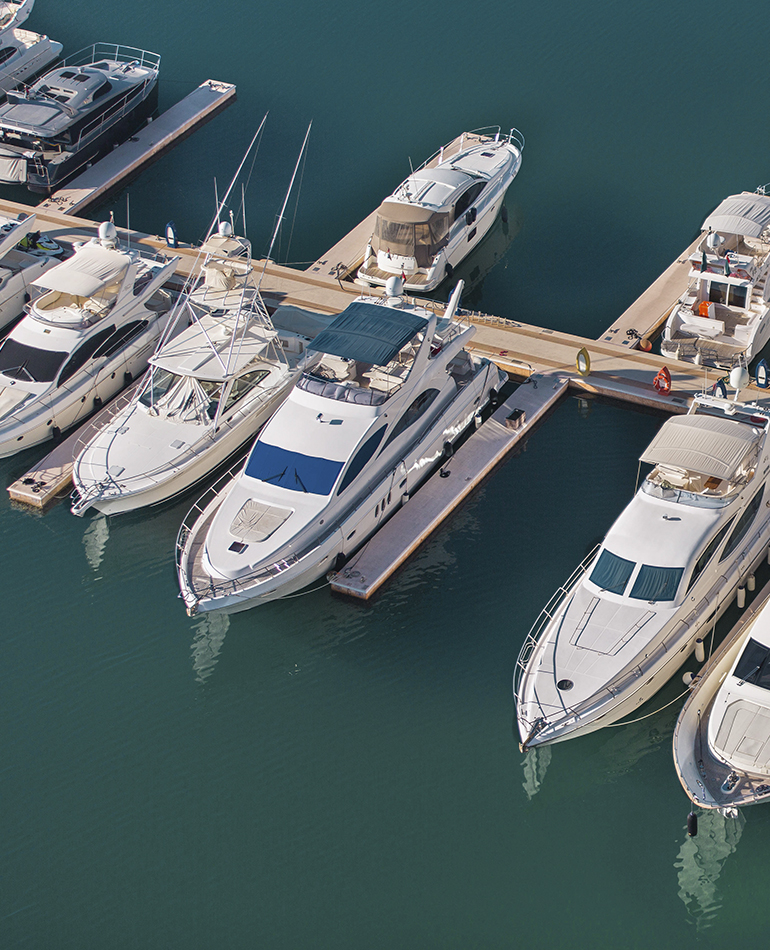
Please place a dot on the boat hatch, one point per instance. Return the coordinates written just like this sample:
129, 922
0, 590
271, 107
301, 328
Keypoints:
256, 521
744, 735
602, 626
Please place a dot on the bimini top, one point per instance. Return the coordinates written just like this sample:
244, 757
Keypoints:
747, 214
703, 444
369, 333
83, 275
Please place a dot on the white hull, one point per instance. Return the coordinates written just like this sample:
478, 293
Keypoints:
347, 534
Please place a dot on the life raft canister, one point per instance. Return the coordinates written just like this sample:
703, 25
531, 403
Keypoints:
662, 382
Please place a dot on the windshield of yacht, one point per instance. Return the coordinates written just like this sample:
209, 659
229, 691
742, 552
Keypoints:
160, 383
20, 361
753, 666
656, 583
612, 572
410, 231
292, 470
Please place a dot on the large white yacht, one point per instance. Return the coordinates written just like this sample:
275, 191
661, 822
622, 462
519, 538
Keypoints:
23, 54
723, 319
92, 330
20, 267
93, 101
438, 215
208, 391
722, 736
669, 566
358, 433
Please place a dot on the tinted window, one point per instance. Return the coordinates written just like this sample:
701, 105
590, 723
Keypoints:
360, 459
120, 338
612, 572
743, 525
412, 414
161, 383
6, 53
244, 384
292, 470
708, 553
84, 353
753, 666
656, 583
20, 361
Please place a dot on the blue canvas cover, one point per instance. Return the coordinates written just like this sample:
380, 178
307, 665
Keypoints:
369, 333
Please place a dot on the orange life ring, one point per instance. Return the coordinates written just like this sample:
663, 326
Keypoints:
662, 382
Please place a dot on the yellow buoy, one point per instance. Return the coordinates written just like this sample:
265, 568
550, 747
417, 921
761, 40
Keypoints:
583, 362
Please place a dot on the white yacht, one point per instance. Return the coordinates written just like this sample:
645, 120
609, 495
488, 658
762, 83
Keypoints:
75, 113
723, 319
208, 391
722, 736
89, 333
23, 54
19, 267
669, 566
358, 433
438, 215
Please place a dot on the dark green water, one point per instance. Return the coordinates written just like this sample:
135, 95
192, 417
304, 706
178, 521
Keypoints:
320, 774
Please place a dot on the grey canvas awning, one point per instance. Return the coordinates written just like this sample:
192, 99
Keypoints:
703, 444
83, 275
747, 214
369, 333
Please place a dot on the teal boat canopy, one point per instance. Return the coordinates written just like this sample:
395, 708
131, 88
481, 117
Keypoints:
369, 333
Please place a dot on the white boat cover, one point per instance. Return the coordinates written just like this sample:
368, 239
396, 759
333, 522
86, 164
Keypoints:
83, 275
747, 214
703, 444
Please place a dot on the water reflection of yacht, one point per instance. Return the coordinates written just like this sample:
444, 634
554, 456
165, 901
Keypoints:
23, 54
722, 737
359, 432
440, 213
670, 565
700, 862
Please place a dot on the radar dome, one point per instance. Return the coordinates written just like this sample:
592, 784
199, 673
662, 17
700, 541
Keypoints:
108, 233
739, 377
225, 229
713, 240
394, 286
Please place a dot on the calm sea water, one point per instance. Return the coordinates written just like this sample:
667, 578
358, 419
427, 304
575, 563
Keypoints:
317, 773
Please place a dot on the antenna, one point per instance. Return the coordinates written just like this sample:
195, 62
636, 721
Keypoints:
128, 220
285, 202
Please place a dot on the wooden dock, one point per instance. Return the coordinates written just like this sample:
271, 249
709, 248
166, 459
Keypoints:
400, 537
128, 159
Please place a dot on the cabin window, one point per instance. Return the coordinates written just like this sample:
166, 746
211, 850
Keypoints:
656, 583
102, 91
83, 353
20, 361
743, 525
420, 406
292, 470
612, 572
466, 200
753, 666
6, 53
161, 383
708, 553
361, 457
244, 384
120, 338
731, 295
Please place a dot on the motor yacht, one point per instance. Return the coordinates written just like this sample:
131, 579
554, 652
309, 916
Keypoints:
89, 333
723, 319
667, 569
91, 102
208, 391
23, 54
394, 388
24, 256
722, 735
438, 215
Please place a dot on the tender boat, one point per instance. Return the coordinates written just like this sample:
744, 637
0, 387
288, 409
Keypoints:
82, 340
19, 266
723, 319
722, 736
393, 390
75, 113
668, 568
438, 215
208, 391
23, 54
